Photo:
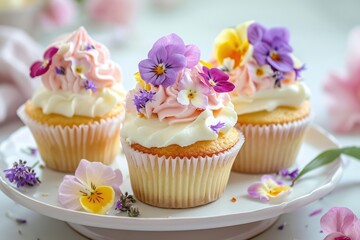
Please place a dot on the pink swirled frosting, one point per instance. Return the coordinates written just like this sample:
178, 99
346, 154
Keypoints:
80, 59
166, 106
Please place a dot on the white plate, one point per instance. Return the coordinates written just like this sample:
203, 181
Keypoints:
221, 213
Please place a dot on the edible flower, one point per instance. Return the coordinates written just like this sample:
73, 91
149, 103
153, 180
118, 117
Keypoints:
340, 223
168, 56
192, 92
21, 174
268, 189
217, 127
125, 204
291, 174
232, 43
142, 98
217, 79
93, 188
141, 82
271, 46
39, 68
88, 84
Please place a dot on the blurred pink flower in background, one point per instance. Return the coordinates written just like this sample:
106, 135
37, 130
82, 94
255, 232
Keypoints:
117, 12
58, 13
340, 223
344, 90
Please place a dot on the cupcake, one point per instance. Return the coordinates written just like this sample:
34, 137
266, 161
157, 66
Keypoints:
77, 112
270, 98
178, 135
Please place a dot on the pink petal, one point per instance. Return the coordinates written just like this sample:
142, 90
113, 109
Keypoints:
337, 219
70, 193
50, 52
334, 235
37, 69
192, 54
80, 172
258, 190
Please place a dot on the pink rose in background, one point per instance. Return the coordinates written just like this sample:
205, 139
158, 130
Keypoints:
344, 90
118, 12
58, 13
340, 223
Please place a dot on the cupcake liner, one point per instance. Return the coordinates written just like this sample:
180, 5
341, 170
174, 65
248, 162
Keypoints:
270, 148
62, 148
179, 182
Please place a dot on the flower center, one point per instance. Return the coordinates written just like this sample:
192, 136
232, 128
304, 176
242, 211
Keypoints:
160, 69
212, 82
79, 70
277, 190
191, 94
275, 56
98, 199
45, 63
259, 72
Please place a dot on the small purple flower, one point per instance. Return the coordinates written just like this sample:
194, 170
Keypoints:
119, 205
88, 84
142, 98
21, 174
291, 174
39, 68
271, 46
217, 79
298, 71
88, 47
168, 56
217, 127
60, 70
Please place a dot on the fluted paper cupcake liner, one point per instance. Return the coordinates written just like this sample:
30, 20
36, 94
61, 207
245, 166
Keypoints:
179, 182
270, 148
62, 148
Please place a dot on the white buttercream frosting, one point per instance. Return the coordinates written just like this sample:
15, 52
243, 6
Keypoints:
150, 132
84, 103
291, 95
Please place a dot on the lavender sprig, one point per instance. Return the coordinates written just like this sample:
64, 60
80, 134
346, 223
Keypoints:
21, 174
124, 204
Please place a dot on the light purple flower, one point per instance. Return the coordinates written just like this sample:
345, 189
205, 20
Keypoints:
21, 174
268, 189
217, 79
340, 223
291, 174
168, 56
216, 128
271, 46
142, 98
60, 70
88, 84
39, 68
89, 177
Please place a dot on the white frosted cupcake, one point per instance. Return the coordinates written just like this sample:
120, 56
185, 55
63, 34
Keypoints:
78, 110
178, 136
269, 97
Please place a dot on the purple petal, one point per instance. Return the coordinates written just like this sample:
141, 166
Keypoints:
218, 75
50, 52
222, 87
158, 54
146, 67
158, 80
176, 62
255, 33
38, 69
281, 46
284, 65
171, 77
261, 52
277, 32
169, 39
256, 190
192, 55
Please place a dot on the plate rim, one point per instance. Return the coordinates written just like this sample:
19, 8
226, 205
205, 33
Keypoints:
176, 223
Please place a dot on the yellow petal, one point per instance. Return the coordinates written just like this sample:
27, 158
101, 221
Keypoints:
226, 45
99, 201
206, 64
142, 83
275, 191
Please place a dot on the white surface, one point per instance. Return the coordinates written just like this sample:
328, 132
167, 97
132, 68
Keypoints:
318, 35
221, 213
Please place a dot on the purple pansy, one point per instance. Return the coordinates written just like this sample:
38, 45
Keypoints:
21, 174
269, 189
88, 84
217, 127
142, 98
271, 46
168, 56
39, 68
217, 79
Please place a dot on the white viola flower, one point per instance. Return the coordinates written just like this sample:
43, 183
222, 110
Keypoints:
80, 67
228, 64
192, 92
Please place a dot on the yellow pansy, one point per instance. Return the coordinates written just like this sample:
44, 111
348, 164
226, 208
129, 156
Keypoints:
98, 200
232, 43
142, 83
